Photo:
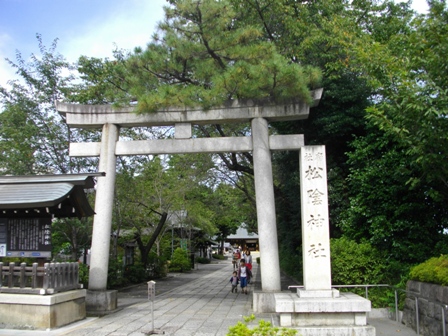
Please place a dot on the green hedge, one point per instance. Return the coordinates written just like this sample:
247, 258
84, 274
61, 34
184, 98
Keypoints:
264, 328
202, 260
434, 270
355, 263
218, 256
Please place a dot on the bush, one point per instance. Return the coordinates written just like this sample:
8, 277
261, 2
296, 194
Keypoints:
202, 260
135, 273
360, 264
157, 267
180, 261
263, 329
356, 263
434, 270
218, 256
115, 276
17, 261
84, 275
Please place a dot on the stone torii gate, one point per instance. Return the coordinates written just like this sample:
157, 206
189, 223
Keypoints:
260, 143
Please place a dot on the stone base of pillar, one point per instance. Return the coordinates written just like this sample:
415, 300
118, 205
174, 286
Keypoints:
101, 302
263, 302
343, 315
331, 293
336, 331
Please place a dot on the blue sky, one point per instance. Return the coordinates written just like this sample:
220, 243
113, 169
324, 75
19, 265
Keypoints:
83, 27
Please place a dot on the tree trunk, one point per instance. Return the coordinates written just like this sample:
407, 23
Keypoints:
145, 249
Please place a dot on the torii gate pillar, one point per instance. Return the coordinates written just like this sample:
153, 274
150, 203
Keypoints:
264, 195
99, 260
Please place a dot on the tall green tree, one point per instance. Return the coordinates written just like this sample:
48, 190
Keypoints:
398, 171
231, 209
34, 138
203, 56
413, 100
33, 135
71, 237
149, 195
406, 222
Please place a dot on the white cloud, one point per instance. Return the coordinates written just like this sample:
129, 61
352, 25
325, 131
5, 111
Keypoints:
125, 27
420, 6
122, 24
6, 71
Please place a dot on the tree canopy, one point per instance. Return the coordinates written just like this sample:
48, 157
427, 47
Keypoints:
206, 53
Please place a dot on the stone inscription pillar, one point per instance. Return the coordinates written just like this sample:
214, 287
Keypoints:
264, 194
315, 223
102, 221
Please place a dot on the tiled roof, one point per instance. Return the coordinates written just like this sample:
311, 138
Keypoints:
45, 195
242, 233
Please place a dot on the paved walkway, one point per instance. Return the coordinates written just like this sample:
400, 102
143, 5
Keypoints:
194, 303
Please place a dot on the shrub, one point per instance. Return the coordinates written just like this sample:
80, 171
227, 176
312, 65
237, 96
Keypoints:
135, 273
157, 267
180, 261
202, 260
355, 263
115, 276
84, 275
434, 270
263, 329
218, 256
17, 260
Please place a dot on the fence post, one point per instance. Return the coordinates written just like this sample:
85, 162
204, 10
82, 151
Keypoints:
11, 275
443, 320
46, 282
69, 274
59, 275
53, 276
63, 273
22, 275
1, 274
76, 276
416, 316
34, 276
397, 318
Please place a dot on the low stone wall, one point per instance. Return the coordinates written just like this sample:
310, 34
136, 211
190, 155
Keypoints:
41, 312
431, 301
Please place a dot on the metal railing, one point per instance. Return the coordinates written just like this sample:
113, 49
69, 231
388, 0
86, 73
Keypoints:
444, 307
49, 279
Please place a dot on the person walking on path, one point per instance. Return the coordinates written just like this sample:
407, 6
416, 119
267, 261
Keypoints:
234, 281
235, 258
243, 274
248, 259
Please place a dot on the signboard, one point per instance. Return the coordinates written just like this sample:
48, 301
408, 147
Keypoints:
25, 237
